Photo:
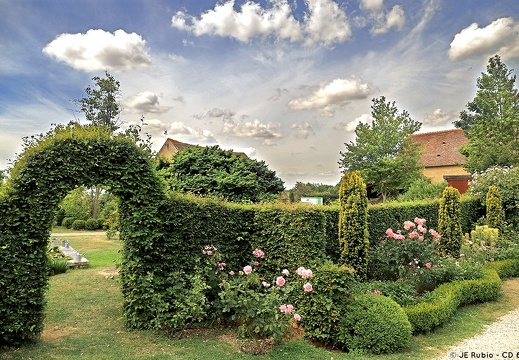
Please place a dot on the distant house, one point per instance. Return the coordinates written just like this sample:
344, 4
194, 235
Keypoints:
441, 157
171, 147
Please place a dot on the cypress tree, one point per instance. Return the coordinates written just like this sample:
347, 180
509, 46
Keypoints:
449, 224
494, 207
353, 223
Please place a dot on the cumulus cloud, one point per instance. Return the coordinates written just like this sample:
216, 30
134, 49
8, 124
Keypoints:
439, 117
219, 113
393, 19
144, 103
324, 22
190, 134
351, 126
501, 36
302, 131
253, 129
371, 4
329, 96
99, 50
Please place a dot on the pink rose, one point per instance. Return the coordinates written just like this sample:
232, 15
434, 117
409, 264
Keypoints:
297, 317
256, 263
420, 238
419, 221
283, 308
280, 281
231, 273
289, 309
408, 225
428, 265
247, 269
285, 272
390, 233
308, 287
413, 234
258, 253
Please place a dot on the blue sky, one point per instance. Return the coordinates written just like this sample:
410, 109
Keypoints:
285, 81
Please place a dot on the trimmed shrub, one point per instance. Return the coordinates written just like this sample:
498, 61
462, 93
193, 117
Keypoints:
353, 223
67, 222
373, 323
320, 309
505, 268
78, 225
449, 226
494, 208
446, 298
93, 224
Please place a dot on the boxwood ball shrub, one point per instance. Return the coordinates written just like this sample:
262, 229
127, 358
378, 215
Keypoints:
78, 224
373, 323
67, 222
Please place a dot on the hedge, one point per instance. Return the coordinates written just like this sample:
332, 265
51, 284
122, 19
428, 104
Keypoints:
446, 298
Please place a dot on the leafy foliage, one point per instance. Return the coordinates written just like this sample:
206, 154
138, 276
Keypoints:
383, 151
449, 225
221, 173
491, 121
375, 324
353, 223
494, 208
423, 189
506, 180
329, 193
51, 165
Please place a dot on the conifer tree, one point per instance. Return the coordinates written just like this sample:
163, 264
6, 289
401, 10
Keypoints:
449, 224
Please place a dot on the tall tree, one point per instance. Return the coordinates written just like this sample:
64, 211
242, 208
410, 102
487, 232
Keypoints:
491, 120
384, 152
216, 172
100, 106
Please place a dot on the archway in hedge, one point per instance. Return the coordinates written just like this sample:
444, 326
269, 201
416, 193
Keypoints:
42, 176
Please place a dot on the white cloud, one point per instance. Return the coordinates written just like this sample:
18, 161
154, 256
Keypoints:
351, 126
329, 96
187, 133
501, 36
438, 117
324, 22
303, 131
144, 103
99, 50
393, 19
253, 129
225, 114
371, 4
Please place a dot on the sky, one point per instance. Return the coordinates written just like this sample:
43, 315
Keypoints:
285, 81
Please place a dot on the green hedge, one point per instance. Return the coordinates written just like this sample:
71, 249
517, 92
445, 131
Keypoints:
446, 299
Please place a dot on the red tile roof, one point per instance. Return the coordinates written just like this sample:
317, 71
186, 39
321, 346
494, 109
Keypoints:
172, 146
440, 148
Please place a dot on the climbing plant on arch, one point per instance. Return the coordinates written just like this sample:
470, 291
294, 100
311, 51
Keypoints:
43, 175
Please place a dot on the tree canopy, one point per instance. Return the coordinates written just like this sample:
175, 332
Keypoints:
212, 171
100, 106
491, 120
384, 152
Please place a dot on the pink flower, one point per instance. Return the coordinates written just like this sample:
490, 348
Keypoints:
209, 252
398, 237
428, 265
422, 229
409, 224
390, 233
307, 273
247, 269
224, 281
283, 308
420, 238
308, 287
300, 270
419, 221
413, 234
258, 253
280, 281
434, 234
264, 283
377, 292
289, 309
297, 317
231, 273
256, 263
285, 272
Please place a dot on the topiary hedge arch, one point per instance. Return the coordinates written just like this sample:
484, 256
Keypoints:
42, 176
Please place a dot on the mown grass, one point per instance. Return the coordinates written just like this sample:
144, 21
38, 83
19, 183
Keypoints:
84, 319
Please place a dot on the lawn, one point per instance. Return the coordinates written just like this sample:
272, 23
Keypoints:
84, 319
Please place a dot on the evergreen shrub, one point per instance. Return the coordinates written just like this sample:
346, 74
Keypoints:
67, 222
78, 224
494, 207
373, 323
93, 224
449, 222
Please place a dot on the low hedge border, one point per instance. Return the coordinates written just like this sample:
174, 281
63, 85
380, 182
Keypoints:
425, 316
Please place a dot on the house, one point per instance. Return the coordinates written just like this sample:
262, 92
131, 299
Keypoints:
171, 147
441, 157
